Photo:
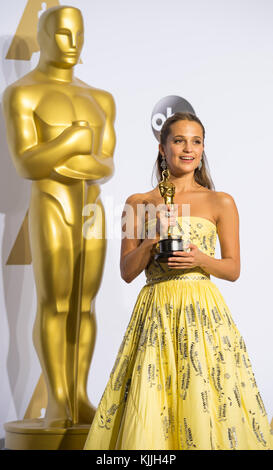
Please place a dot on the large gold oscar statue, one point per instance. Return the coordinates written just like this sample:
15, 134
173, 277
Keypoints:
61, 136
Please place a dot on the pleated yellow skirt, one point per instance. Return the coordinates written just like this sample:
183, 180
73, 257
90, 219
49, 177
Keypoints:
182, 379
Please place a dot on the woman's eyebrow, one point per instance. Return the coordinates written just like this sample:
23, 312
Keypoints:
194, 136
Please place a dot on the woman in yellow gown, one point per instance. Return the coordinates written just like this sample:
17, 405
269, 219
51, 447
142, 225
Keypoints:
182, 378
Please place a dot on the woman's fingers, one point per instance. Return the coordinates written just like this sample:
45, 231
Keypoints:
182, 254
164, 222
181, 259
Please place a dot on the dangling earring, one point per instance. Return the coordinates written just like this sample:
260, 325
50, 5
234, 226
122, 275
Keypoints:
200, 165
163, 163
165, 174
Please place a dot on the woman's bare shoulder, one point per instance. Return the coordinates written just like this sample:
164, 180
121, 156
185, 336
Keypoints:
142, 198
224, 204
222, 198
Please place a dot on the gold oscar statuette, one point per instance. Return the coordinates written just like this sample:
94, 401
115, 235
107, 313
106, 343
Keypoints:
61, 136
167, 246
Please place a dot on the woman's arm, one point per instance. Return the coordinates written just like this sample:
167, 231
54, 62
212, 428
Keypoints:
228, 232
135, 253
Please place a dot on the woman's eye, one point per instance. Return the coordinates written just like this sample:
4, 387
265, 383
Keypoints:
178, 141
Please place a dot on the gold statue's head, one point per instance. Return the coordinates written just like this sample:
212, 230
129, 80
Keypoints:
167, 191
60, 36
166, 187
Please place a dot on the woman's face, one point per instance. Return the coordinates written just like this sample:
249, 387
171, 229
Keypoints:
185, 140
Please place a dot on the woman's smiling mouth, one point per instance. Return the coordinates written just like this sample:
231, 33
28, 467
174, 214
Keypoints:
186, 158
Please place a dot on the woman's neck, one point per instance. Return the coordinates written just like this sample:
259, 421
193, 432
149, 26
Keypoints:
184, 184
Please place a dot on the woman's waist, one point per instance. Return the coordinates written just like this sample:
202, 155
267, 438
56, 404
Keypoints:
195, 274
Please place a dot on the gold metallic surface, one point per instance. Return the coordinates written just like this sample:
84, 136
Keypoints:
61, 136
166, 188
31, 435
167, 191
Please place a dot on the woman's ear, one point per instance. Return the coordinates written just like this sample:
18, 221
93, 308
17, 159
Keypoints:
161, 150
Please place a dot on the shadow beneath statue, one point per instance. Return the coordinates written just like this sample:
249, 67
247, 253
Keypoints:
18, 284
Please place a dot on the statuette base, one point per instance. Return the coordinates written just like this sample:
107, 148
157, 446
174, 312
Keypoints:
167, 247
33, 435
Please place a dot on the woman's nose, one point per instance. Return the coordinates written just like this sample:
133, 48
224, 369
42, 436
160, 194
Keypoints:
187, 147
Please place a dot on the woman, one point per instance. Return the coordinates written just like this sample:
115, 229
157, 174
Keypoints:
182, 378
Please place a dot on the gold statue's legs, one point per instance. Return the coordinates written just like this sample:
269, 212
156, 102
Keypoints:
94, 255
51, 245
68, 269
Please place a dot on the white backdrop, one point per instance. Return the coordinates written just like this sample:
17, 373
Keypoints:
219, 56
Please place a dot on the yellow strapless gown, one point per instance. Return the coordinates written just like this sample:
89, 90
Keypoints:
182, 378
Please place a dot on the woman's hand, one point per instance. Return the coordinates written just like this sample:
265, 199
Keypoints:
163, 221
184, 260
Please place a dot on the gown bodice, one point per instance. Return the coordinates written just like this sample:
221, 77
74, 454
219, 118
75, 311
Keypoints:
197, 230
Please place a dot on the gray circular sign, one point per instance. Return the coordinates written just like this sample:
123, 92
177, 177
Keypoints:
165, 108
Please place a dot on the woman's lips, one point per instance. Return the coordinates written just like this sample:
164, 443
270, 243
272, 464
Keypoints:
187, 159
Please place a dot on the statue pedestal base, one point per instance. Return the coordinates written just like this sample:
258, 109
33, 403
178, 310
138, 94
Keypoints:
33, 435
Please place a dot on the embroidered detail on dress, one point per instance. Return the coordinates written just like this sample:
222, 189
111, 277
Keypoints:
178, 277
